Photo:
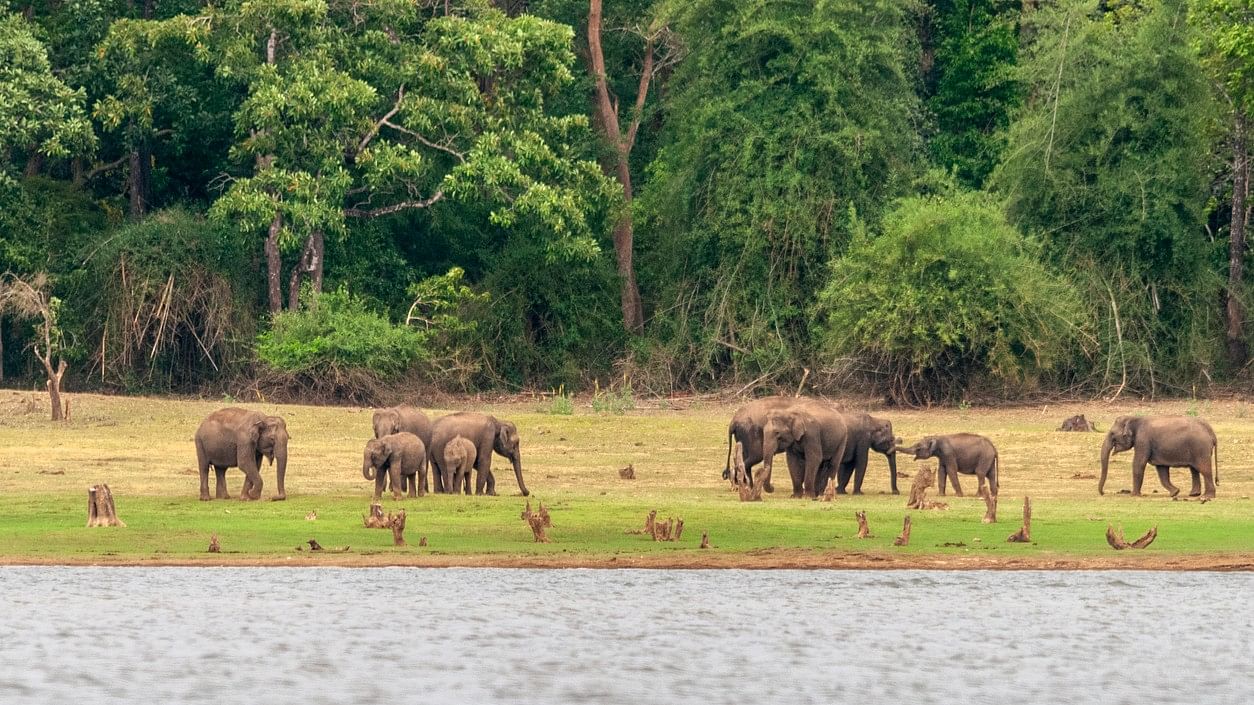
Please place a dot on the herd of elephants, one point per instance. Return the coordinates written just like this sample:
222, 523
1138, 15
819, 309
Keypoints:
821, 442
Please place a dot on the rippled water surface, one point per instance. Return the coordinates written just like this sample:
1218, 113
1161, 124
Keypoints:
166, 635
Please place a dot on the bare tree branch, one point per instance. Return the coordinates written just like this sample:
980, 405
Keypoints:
357, 212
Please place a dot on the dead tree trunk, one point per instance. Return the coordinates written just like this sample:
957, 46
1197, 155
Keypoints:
1024, 534
705, 540
990, 506
749, 491
864, 531
100, 508
397, 524
918, 490
274, 264
1238, 354
54, 386
537, 521
904, 538
375, 520
214, 546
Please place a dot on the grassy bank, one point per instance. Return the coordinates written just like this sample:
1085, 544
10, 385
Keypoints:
143, 449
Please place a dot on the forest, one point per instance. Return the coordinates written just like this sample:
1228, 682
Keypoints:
932, 201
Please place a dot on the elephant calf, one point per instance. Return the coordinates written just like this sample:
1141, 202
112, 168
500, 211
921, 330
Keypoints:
459, 460
965, 453
393, 456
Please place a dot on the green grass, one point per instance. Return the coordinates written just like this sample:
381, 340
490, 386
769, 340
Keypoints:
143, 449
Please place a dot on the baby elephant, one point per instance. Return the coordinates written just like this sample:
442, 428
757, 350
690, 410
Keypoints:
394, 456
459, 459
959, 453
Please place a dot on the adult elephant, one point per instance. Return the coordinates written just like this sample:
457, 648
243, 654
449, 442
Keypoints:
488, 434
811, 434
966, 453
1164, 442
746, 427
405, 419
234, 437
866, 433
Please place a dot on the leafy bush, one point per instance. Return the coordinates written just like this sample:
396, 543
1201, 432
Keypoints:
563, 404
614, 401
948, 294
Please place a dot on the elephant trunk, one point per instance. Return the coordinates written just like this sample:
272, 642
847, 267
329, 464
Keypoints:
280, 461
517, 461
892, 469
367, 467
1107, 445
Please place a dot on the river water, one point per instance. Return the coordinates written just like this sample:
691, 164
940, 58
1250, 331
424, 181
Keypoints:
397, 635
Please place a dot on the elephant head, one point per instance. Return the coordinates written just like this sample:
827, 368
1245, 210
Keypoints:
883, 441
926, 448
375, 456
1120, 437
782, 430
266, 437
505, 443
386, 422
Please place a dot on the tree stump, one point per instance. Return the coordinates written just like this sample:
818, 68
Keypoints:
829, 494
918, 490
705, 540
648, 525
397, 524
990, 506
375, 520
314, 545
312, 516
679, 529
904, 538
422, 541
1024, 534
214, 546
100, 508
1077, 423
748, 491
864, 531
662, 530
627, 473
537, 521
1118, 543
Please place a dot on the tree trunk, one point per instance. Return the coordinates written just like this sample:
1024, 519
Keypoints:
274, 265
1238, 353
1024, 534
138, 180
310, 265
607, 119
1, 348
54, 387
34, 163
100, 508
864, 530
904, 538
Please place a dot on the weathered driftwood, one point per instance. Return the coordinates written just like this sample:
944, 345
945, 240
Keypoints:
1117, 542
990, 506
537, 521
627, 473
214, 546
705, 539
375, 520
100, 508
1024, 534
904, 538
397, 524
864, 531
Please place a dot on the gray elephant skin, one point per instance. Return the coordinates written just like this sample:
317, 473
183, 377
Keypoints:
408, 419
746, 428
394, 456
811, 434
866, 433
459, 460
488, 434
966, 453
234, 437
1164, 442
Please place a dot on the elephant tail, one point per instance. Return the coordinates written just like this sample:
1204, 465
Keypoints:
1214, 448
997, 472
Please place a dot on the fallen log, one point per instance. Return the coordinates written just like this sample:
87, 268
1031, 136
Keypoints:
864, 531
1024, 534
100, 508
904, 538
1118, 543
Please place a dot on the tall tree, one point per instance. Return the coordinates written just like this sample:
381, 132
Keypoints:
1225, 41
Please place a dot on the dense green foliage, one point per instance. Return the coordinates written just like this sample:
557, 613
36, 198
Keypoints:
802, 172
949, 294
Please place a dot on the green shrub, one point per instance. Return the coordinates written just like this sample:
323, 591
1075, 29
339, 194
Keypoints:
614, 401
563, 404
947, 296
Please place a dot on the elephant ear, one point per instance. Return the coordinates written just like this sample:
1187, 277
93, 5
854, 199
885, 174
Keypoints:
797, 424
933, 446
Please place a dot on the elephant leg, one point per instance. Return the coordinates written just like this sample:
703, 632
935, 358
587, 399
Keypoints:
1207, 471
202, 463
411, 484
796, 470
252, 486
953, 478
859, 474
842, 478
380, 481
1196, 488
979, 488
1164, 476
1138, 472
394, 476
481, 480
491, 484
219, 481
941, 481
